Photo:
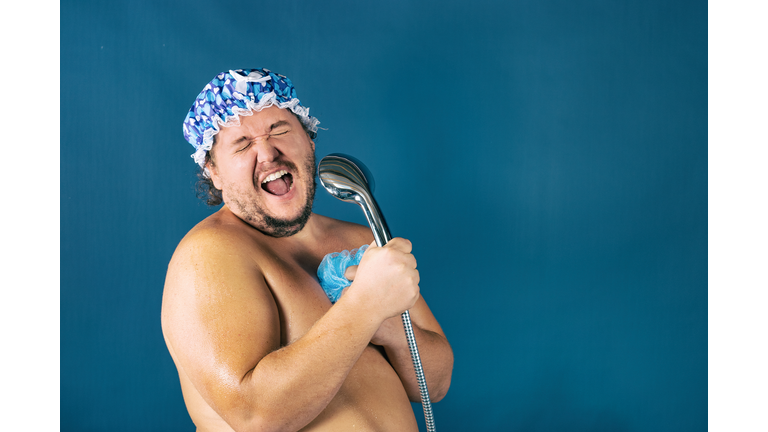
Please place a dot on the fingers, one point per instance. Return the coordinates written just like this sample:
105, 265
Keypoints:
401, 244
386, 280
404, 248
350, 272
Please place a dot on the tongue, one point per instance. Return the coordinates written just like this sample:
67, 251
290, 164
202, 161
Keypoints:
278, 187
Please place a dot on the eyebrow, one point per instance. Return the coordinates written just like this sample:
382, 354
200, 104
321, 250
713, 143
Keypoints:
278, 124
271, 128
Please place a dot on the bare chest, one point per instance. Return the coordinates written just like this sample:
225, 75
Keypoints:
298, 295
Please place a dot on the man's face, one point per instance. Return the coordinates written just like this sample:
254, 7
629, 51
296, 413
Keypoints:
265, 169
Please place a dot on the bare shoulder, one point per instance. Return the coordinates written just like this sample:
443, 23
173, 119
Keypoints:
218, 254
206, 250
215, 302
219, 240
350, 234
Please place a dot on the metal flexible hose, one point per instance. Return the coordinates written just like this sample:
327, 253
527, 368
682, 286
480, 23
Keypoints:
426, 404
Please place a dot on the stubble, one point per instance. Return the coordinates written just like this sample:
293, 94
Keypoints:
255, 215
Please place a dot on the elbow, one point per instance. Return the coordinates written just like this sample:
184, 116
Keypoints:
441, 390
437, 389
443, 381
439, 386
437, 397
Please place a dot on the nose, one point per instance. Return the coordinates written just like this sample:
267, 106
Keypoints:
265, 150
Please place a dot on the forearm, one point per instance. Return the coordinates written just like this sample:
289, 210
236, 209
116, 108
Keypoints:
291, 386
436, 359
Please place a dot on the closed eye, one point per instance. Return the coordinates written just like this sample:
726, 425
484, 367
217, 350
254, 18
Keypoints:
244, 148
278, 133
281, 127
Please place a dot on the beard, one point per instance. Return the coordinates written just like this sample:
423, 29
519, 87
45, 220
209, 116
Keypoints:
254, 214
287, 227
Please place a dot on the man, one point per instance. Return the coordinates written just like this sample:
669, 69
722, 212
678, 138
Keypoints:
256, 341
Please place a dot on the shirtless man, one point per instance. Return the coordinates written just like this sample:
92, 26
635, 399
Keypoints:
257, 343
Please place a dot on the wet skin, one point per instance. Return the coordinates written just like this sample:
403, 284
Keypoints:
257, 344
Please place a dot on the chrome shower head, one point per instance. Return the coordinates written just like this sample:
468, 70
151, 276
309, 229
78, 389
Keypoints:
345, 177
348, 179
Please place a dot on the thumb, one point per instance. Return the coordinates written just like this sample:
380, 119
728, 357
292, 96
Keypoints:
350, 272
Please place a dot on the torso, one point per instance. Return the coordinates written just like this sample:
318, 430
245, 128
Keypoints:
372, 398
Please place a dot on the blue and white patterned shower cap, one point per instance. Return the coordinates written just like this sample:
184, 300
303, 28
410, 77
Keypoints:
236, 93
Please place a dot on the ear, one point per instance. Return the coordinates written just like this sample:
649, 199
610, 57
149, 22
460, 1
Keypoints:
311, 140
214, 173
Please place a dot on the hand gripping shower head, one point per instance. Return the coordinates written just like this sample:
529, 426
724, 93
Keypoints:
349, 180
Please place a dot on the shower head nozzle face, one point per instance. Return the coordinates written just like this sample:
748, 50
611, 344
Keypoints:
345, 177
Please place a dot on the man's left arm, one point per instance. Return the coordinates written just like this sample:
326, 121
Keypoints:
435, 352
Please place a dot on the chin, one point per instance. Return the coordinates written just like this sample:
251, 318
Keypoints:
281, 226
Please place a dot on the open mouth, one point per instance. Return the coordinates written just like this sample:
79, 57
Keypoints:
278, 183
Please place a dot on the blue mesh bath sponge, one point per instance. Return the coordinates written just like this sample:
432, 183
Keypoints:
332, 268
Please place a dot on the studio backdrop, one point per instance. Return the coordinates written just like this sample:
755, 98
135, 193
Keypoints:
548, 160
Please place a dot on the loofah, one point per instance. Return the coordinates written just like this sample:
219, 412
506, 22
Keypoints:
332, 268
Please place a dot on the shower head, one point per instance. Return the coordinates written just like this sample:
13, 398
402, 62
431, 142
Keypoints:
345, 177
348, 179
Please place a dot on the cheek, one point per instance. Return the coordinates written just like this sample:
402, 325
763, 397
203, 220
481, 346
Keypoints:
239, 169
231, 173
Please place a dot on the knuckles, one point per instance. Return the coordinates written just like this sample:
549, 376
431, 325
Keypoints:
391, 272
397, 249
402, 244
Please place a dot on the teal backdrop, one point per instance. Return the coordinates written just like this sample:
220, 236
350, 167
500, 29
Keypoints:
548, 159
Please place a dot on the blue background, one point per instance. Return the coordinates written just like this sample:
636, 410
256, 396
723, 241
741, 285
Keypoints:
548, 159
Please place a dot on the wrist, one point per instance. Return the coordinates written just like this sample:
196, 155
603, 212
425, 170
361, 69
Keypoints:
364, 316
391, 334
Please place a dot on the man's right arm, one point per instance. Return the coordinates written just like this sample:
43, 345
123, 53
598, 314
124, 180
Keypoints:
223, 324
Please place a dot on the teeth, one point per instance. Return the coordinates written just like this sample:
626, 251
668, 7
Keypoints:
274, 176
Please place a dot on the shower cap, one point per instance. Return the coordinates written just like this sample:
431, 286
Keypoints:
332, 268
239, 92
